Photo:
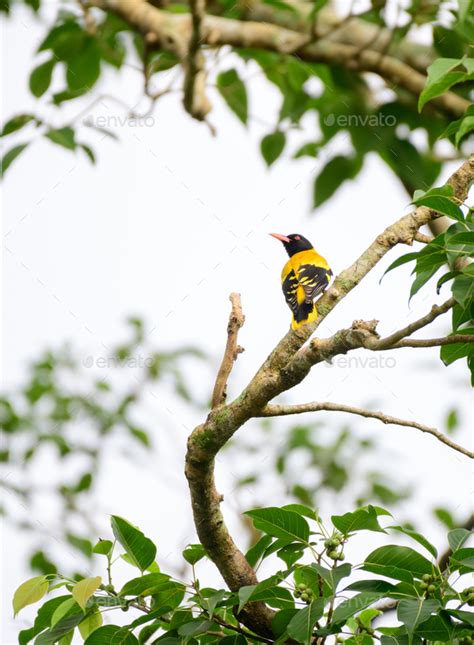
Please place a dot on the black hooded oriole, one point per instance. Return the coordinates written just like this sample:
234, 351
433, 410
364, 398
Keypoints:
304, 276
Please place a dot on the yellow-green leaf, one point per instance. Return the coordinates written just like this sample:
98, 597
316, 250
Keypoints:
29, 592
84, 589
90, 624
62, 610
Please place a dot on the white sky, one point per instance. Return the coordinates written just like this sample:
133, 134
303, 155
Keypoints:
165, 226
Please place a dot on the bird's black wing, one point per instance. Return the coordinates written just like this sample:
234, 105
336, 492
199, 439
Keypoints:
289, 287
313, 279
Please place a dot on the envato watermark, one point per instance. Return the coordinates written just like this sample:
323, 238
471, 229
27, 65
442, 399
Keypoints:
357, 120
108, 362
116, 121
361, 362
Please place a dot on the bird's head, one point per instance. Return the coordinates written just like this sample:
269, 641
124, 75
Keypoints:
293, 243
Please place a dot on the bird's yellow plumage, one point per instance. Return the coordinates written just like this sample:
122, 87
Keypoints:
305, 275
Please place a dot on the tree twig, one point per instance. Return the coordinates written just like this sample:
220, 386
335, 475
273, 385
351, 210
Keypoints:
232, 350
285, 410
436, 310
434, 342
424, 239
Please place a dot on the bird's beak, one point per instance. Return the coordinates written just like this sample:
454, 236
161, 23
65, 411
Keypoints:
280, 237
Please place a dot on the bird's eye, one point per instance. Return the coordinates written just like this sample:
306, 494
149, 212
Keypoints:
297, 237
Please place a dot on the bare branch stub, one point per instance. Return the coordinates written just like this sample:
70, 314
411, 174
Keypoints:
232, 350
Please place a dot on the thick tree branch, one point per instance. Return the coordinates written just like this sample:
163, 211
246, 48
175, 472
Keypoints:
174, 32
232, 350
284, 410
287, 365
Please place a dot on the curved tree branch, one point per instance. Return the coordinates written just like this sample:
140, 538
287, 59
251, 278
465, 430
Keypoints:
284, 410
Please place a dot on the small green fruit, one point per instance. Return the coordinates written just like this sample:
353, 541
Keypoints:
302, 587
304, 597
423, 585
431, 588
427, 578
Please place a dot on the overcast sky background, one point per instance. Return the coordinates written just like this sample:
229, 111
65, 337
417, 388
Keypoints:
169, 222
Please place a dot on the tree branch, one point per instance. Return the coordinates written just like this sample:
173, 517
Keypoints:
195, 100
436, 310
284, 410
434, 342
173, 32
232, 350
287, 365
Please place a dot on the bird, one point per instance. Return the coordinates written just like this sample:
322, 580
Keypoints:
305, 275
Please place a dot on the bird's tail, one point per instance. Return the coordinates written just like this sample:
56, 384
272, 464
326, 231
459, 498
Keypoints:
305, 313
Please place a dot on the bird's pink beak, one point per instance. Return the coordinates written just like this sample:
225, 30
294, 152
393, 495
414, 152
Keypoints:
280, 237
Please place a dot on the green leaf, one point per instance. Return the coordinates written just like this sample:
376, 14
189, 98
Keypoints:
333, 576
67, 608
234, 93
462, 559
352, 606
90, 623
84, 589
16, 123
193, 553
147, 584
40, 78
103, 547
398, 562
301, 509
195, 627
466, 127
359, 520
457, 537
10, 156
334, 173
436, 629
272, 146
441, 204
403, 259
42, 620
237, 639
29, 592
441, 76
83, 69
411, 612
301, 625
138, 547
63, 137
60, 629
416, 536
255, 552
451, 353
280, 523
463, 287
102, 635
377, 586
